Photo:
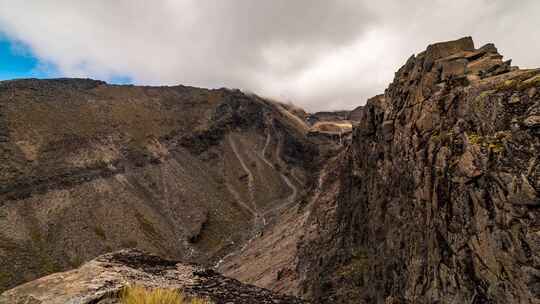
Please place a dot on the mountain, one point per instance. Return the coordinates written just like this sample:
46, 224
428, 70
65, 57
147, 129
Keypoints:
88, 168
428, 193
437, 198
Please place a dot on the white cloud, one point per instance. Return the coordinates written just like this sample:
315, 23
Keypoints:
319, 54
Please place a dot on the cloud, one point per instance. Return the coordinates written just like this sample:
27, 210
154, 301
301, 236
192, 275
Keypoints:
318, 54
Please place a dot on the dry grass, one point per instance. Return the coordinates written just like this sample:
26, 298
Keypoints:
142, 295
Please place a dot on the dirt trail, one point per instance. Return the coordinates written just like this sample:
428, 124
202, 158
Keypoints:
292, 197
259, 218
251, 187
239, 199
259, 221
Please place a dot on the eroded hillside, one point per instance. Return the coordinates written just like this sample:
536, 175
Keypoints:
187, 173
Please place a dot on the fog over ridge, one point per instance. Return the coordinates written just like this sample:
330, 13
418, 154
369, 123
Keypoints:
321, 55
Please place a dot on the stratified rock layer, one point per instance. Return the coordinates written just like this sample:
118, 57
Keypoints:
102, 279
437, 198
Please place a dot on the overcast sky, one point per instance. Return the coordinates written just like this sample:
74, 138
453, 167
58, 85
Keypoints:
321, 55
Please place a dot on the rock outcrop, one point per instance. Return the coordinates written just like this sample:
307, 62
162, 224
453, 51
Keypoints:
101, 280
437, 198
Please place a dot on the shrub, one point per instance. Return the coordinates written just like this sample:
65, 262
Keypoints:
142, 295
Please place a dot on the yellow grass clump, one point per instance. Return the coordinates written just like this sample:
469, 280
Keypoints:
142, 295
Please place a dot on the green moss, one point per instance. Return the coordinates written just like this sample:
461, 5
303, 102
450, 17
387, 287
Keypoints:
475, 139
492, 143
510, 84
485, 94
529, 83
519, 83
479, 104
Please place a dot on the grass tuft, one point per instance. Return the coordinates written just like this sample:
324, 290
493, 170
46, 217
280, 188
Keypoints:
142, 295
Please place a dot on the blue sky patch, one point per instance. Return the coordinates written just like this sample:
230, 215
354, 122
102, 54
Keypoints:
18, 61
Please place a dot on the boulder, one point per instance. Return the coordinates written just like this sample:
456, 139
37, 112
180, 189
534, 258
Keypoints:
445, 49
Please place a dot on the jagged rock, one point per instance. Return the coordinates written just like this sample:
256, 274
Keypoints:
467, 166
388, 129
102, 279
444, 49
488, 48
443, 207
355, 115
453, 68
532, 121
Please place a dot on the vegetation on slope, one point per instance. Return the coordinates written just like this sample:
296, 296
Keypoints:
142, 295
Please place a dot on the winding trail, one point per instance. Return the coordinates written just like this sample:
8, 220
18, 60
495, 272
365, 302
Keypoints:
251, 186
239, 199
266, 144
259, 218
291, 198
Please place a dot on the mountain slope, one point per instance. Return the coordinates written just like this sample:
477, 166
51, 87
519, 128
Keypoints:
184, 172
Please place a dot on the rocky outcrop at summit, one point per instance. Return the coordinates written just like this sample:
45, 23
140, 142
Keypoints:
437, 198
101, 281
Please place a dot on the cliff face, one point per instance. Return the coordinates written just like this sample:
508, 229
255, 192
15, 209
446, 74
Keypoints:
188, 173
437, 198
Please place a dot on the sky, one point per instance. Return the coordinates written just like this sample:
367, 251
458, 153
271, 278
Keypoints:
318, 54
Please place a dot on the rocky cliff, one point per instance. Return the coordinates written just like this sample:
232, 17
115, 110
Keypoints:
437, 198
